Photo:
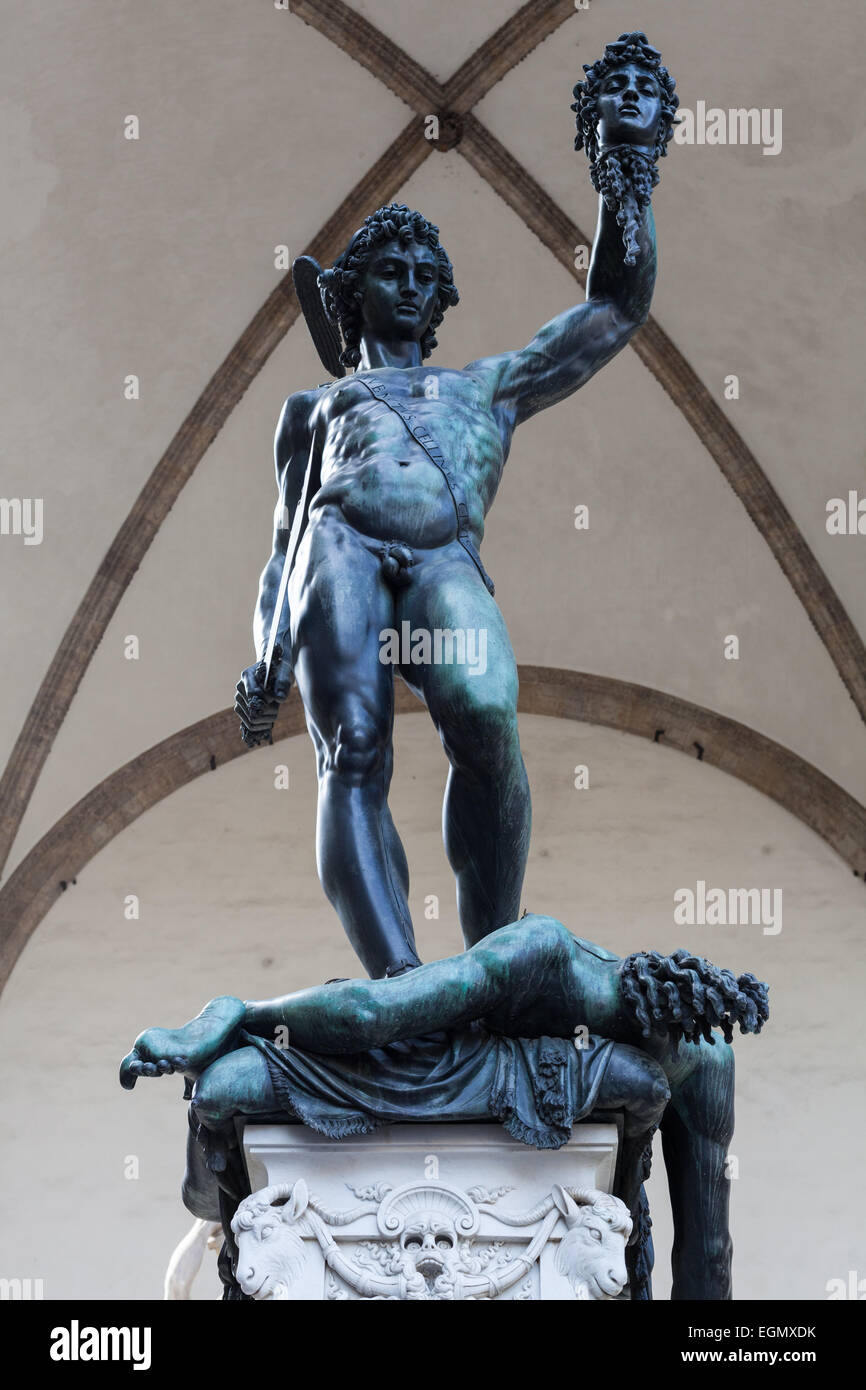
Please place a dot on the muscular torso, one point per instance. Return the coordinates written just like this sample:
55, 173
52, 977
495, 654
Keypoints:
382, 481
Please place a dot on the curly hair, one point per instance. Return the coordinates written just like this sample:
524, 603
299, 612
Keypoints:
624, 175
342, 286
688, 997
629, 48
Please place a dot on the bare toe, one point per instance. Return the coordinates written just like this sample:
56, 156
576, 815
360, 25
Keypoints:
129, 1070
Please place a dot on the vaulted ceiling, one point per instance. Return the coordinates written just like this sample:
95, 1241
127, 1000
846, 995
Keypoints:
261, 127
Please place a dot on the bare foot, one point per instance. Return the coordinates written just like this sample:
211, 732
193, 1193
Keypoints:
161, 1051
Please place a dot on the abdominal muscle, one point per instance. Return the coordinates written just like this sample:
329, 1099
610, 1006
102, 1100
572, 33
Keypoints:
392, 500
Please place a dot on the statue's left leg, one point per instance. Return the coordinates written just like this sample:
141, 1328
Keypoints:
637, 1085
696, 1130
237, 1083
471, 693
200, 1189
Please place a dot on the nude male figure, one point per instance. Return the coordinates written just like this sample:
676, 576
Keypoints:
386, 543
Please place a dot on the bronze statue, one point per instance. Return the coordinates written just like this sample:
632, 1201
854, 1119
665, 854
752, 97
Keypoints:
385, 478
532, 979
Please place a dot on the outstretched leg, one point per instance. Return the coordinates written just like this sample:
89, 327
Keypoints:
521, 979
473, 703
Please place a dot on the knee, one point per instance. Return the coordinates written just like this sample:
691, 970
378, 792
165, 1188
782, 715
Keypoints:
638, 1083
658, 1094
208, 1104
482, 735
541, 940
358, 751
199, 1199
547, 935
718, 1268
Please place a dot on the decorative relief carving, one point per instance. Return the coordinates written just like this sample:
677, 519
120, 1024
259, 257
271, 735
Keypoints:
434, 1242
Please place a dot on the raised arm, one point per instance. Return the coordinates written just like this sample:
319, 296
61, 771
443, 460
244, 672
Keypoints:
625, 111
569, 349
256, 706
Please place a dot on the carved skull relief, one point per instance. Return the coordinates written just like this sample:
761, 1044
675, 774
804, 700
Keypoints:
429, 1241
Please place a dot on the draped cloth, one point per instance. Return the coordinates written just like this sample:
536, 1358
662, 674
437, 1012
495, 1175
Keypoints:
538, 1088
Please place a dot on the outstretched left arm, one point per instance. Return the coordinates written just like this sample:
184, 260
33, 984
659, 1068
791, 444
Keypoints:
567, 351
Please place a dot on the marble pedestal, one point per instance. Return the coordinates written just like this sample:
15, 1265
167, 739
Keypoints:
465, 1209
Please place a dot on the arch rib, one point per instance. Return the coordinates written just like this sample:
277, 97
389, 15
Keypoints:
123, 796
488, 65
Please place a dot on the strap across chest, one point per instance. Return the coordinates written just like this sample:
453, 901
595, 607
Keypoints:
422, 436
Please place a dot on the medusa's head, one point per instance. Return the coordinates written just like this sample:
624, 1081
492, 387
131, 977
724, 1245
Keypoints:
626, 98
394, 279
625, 111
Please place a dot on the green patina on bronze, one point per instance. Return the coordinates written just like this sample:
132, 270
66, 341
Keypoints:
385, 477
530, 980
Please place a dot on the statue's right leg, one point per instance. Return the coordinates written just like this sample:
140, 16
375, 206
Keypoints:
340, 603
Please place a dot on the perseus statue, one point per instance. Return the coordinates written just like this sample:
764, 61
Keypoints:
385, 476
